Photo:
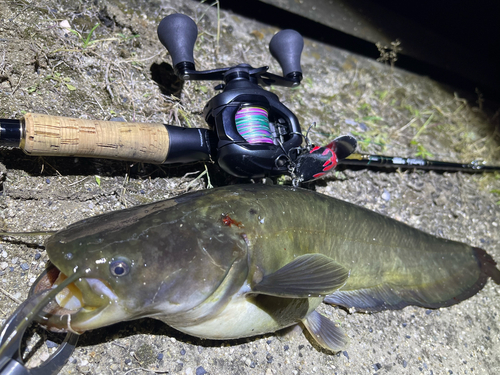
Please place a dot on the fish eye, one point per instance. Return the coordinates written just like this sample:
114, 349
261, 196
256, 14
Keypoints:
119, 268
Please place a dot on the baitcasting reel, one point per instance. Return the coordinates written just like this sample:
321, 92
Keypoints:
256, 135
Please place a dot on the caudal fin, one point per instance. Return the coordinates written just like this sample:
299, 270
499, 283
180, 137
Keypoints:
488, 265
462, 284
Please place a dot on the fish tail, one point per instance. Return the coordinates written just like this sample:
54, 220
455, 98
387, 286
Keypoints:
487, 265
488, 269
445, 292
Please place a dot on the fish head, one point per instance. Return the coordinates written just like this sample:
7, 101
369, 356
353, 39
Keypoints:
149, 261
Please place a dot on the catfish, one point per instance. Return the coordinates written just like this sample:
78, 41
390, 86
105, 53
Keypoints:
245, 260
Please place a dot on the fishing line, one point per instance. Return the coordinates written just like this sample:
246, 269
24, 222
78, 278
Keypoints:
29, 234
253, 124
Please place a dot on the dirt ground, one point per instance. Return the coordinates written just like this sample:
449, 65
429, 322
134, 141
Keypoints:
52, 62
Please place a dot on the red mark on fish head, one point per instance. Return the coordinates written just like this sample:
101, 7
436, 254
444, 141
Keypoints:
226, 220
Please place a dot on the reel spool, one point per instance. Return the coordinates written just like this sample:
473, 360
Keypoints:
253, 124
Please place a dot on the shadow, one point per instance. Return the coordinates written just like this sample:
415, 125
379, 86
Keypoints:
168, 82
149, 326
66, 166
426, 61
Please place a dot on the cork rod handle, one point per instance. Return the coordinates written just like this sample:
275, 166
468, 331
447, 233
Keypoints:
62, 136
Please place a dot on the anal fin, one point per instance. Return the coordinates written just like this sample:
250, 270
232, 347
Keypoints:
325, 332
310, 275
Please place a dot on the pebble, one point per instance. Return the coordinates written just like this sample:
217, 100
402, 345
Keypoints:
200, 371
25, 266
4, 254
386, 196
3, 265
363, 126
51, 344
38, 256
345, 354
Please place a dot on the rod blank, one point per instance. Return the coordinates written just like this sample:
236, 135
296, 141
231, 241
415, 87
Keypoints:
380, 161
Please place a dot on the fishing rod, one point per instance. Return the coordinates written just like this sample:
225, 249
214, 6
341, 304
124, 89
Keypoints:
251, 133
381, 161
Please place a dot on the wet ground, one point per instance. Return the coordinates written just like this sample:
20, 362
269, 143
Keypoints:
47, 68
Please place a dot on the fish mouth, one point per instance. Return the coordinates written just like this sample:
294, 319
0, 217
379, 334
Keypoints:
77, 307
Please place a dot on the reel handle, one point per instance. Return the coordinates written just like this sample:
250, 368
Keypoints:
178, 33
286, 47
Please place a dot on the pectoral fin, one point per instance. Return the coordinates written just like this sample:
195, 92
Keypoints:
325, 332
311, 275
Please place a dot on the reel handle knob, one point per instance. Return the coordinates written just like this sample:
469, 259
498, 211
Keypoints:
286, 47
178, 33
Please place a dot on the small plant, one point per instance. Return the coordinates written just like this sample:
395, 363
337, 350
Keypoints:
86, 42
389, 53
497, 192
60, 80
123, 36
421, 150
52, 77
